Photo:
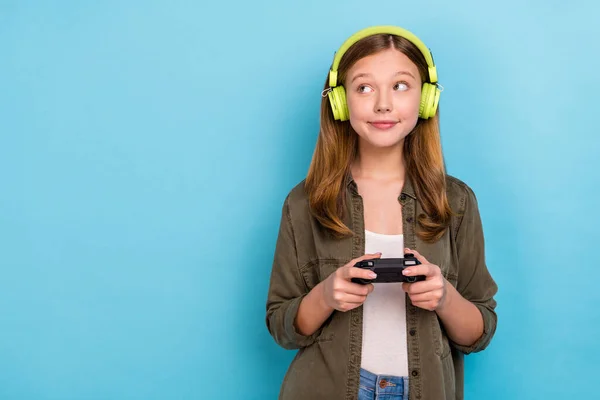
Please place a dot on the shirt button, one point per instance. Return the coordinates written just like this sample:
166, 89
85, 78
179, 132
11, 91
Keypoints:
413, 332
409, 219
402, 196
415, 372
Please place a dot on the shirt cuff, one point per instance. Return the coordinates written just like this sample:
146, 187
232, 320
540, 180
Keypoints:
294, 338
489, 327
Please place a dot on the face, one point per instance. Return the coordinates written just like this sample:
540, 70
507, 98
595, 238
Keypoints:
383, 93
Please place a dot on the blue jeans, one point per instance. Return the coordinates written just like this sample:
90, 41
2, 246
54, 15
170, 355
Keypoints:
382, 387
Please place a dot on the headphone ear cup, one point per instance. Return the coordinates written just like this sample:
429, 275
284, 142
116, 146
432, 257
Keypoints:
430, 97
337, 99
436, 101
424, 105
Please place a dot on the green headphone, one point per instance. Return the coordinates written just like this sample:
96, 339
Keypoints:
430, 91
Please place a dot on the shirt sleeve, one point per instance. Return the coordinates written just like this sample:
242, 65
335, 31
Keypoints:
474, 280
286, 289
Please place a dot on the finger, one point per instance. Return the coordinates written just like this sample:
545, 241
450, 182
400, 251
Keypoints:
365, 257
355, 272
418, 255
353, 301
349, 306
421, 287
352, 298
357, 288
423, 269
422, 297
349, 271
426, 305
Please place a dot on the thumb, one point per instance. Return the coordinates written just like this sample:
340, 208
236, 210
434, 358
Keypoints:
345, 270
418, 255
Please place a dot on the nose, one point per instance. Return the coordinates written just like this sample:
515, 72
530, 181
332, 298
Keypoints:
383, 109
383, 103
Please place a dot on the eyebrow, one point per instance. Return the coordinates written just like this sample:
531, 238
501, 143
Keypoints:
365, 75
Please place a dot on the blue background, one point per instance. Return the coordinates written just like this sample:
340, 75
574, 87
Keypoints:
146, 149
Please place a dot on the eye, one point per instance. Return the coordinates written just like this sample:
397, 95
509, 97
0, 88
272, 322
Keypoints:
364, 89
401, 86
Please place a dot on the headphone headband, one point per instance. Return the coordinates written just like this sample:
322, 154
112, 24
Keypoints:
374, 30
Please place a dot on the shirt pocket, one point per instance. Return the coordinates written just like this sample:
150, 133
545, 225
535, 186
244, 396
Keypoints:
440, 253
316, 271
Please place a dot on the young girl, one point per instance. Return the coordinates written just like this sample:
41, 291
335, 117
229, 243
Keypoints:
377, 187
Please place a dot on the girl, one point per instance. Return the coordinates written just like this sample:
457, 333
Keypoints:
377, 187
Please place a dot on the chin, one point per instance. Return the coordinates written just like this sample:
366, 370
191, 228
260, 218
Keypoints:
384, 140
381, 138
384, 144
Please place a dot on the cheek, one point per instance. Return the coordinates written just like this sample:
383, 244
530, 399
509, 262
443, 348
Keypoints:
359, 110
410, 104
358, 126
355, 124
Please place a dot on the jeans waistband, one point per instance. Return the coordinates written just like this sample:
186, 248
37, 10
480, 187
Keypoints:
384, 384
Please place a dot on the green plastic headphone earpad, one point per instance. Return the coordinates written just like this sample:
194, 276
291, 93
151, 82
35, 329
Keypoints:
423, 104
436, 100
333, 104
337, 98
343, 104
429, 98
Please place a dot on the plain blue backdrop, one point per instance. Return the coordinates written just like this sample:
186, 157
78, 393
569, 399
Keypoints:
146, 148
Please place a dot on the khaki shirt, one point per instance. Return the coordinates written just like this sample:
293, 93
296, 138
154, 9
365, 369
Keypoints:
327, 364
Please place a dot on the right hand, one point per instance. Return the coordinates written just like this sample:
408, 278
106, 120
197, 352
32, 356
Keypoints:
340, 293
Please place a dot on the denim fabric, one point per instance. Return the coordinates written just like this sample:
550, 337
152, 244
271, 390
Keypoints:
382, 387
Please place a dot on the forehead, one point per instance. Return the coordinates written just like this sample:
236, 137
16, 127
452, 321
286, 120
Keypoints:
383, 63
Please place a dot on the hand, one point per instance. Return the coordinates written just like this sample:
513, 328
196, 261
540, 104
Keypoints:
340, 293
429, 294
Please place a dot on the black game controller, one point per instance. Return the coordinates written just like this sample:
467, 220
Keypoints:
389, 269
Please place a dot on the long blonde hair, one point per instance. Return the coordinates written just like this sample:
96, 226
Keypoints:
337, 148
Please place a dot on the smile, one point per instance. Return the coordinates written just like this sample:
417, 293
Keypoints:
383, 125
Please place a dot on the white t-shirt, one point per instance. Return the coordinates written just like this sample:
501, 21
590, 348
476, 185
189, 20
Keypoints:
384, 345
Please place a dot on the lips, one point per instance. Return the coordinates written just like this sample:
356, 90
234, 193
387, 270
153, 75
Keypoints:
383, 124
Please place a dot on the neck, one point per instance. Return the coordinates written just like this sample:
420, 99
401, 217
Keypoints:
379, 163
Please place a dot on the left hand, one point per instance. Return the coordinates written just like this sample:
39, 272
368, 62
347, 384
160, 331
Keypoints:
429, 294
